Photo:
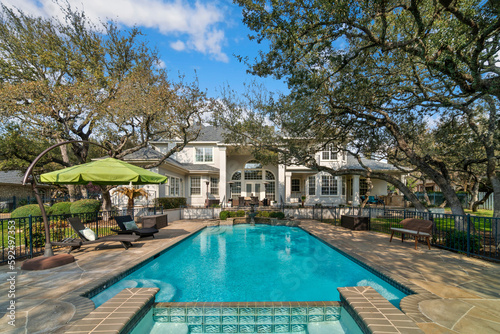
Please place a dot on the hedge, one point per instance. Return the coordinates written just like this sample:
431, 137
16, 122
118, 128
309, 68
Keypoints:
30, 209
85, 206
61, 208
170, 202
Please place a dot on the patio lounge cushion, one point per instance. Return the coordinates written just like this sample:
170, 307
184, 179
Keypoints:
130, 225
88, 234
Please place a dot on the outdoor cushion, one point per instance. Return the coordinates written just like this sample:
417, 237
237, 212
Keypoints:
131, 225
88, 234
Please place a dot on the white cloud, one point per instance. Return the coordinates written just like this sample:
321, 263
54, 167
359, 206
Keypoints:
161, 64
178, 45
198, 24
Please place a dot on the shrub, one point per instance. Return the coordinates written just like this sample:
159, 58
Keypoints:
170, 202
61, 208
85, 206
30, 209
224, 215
263, 214
240, 213
457, 240
279, 215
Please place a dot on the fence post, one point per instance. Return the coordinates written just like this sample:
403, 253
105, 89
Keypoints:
468, 234
154, 210
97, 225
404, 214
30, 226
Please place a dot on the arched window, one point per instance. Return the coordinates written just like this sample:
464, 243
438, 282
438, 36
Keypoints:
253, 164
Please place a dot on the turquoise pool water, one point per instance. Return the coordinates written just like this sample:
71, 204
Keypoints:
251, 263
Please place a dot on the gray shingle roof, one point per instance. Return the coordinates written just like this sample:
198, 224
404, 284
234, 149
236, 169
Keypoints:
211, 133
200, 167
353, 164
146, 153
12, 177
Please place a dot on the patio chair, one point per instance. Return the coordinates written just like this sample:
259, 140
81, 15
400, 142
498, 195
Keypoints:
75, 243
141, 232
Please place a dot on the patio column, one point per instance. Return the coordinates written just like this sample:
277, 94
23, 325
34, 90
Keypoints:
281, 183
222, 174
288, 186
355, 190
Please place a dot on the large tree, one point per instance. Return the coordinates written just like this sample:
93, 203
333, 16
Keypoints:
70, 79
389, 66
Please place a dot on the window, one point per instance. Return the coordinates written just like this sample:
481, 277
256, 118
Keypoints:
175, 186
343, 186
312, 185
269, 175
253, 175
295, 185
235, 188
195, 185
270, 190
328, 185
204, 154
214, 185
330, 153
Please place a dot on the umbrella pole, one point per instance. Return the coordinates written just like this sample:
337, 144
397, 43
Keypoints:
48, 246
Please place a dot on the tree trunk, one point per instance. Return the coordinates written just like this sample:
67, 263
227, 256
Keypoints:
474, 192
368, 192
106, 199
130, 206
72, 190
476, 204
426, 197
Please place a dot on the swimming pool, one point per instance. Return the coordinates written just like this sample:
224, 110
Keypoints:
251, 263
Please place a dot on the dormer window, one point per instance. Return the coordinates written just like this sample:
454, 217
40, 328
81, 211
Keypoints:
204, 154
330, 153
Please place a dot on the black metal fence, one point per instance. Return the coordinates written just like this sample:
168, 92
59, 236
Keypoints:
25, 237
467, 234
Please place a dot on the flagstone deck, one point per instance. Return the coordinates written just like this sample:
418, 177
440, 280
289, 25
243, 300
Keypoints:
456, 294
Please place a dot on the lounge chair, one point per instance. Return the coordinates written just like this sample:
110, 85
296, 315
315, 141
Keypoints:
75, 243
141, 232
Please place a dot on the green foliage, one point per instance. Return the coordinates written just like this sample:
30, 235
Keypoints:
279, 215
38, 235
240, 213
61, 208
458, 240
170, 202
264, 214
85, 206
224, 215
30, 209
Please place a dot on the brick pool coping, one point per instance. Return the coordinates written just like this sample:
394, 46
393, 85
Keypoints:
119, 314
375, 314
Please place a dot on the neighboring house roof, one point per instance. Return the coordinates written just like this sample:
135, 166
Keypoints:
12, 177
353, 164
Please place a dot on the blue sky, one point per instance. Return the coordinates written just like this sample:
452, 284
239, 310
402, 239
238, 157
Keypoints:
191, 36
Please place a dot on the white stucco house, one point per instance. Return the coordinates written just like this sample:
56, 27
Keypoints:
210, 168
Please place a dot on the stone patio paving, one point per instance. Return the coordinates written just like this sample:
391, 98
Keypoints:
456, 294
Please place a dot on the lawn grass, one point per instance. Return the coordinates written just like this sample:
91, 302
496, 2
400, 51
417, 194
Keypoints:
480, 212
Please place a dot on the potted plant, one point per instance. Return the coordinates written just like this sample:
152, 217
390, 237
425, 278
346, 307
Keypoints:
303, 198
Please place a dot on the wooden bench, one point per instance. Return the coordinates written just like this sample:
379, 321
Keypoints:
416, 227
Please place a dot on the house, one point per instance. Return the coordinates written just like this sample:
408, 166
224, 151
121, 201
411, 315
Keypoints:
210, 169
13, 193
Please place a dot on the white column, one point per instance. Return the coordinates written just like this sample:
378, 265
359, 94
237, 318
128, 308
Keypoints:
281, 183
288, 186
222, 174
355, 190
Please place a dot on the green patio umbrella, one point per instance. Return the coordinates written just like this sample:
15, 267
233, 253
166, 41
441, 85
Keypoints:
107, 171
